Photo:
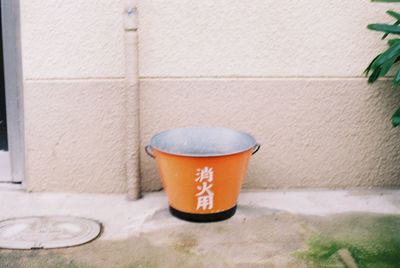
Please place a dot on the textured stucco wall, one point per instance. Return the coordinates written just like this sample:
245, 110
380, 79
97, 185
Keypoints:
76, 139
258, 37
75, 95
314, 132
288, 72
72, 39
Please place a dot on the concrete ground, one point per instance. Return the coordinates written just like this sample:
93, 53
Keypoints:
270, 229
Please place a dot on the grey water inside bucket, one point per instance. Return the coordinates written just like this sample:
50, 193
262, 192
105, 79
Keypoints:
202, 142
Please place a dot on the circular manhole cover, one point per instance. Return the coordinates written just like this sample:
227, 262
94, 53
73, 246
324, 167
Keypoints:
47, 232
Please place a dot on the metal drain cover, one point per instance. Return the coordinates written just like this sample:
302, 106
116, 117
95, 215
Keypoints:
47, 232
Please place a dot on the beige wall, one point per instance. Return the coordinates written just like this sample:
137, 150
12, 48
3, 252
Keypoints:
73, 64
67, 39
258, 38
288, 72
314, 132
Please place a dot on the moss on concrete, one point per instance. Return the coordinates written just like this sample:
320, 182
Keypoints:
372, 240
36, 259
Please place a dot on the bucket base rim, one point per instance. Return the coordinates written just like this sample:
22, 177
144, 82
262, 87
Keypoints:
212, 217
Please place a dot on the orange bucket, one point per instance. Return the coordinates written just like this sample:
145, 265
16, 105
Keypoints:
202, 170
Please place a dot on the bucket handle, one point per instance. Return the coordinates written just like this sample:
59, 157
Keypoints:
256, 148
149, 151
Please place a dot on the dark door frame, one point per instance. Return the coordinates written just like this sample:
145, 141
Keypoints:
13, 86
3, 121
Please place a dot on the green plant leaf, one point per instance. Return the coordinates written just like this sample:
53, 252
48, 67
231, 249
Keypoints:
375, 75
394, 14
391, 52
396, 23
396, 118
392, 42
368, 69
386, 67
386, 1
386, 28
396, 78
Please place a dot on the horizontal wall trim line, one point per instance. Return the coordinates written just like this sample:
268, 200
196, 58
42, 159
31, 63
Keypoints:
258, 78
334, 78
58, 79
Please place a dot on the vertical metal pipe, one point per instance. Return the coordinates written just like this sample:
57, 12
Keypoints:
132, 99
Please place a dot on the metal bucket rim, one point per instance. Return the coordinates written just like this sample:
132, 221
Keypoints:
252, 142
